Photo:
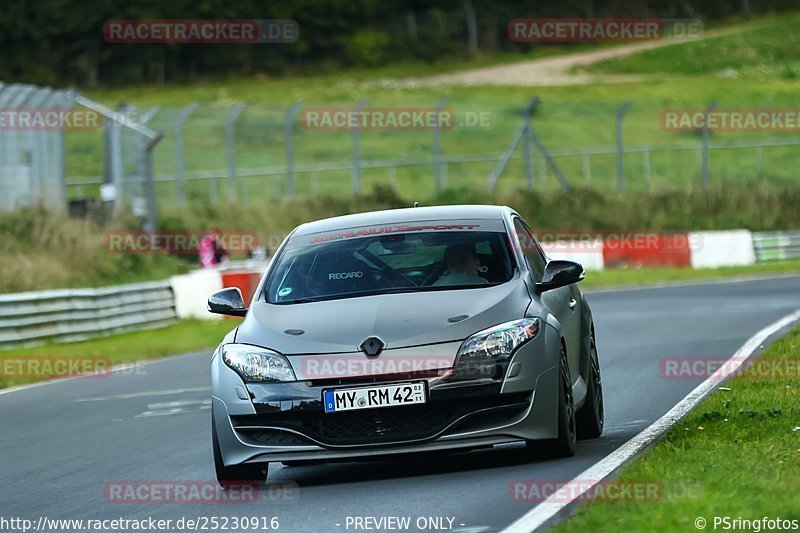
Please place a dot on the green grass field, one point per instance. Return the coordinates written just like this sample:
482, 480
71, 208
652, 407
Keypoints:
764, 55
739, 451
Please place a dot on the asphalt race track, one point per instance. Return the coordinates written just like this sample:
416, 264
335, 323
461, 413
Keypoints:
62, 442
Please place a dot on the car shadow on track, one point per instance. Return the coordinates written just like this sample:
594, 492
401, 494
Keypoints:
509, 456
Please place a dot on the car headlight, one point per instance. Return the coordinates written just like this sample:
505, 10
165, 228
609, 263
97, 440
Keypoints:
498, 342
254, 363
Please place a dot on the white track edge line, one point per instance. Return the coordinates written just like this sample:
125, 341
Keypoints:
116, 368
544, 513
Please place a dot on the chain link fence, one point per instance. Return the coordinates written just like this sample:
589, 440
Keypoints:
204, 154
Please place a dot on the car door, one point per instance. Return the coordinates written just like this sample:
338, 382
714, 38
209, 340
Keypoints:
561, 302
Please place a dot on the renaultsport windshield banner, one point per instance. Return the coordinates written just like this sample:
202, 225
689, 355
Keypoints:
483, 225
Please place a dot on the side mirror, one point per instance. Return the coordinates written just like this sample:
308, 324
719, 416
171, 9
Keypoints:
559, 273
227, 302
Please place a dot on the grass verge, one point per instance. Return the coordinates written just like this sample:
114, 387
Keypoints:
740, 448
184, 336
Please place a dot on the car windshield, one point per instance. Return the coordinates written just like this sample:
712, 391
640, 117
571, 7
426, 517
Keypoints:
316, 268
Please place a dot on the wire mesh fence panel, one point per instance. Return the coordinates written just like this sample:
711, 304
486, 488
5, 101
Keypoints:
32, 146
236, 152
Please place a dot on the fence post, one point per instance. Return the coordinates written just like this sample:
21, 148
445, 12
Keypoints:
231, 142
587, 169
180, 192
620, 148
706, 138
437, 143
523, 129
646, 166
288, 133
759, 159
528, 154
115, 159
357, 148
151, 223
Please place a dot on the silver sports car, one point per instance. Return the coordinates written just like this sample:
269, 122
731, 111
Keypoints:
404, 331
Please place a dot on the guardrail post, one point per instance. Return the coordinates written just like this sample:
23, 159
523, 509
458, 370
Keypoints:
183, 115
620, 148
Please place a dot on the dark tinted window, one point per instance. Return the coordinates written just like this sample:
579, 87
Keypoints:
400, 262
531, 249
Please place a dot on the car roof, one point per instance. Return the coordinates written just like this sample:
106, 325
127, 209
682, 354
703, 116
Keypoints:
406, 215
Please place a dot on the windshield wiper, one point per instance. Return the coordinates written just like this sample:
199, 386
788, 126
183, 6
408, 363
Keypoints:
309, 299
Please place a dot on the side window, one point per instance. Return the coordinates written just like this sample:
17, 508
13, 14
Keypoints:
530, 248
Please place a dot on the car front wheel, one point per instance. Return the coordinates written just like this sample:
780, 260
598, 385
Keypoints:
564, 444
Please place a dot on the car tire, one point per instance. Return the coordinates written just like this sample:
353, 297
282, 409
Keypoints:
590, 417
236, 475
564, 444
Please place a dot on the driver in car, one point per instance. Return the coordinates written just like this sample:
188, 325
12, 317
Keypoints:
463, 266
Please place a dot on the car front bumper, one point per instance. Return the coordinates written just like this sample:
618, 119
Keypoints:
259, 422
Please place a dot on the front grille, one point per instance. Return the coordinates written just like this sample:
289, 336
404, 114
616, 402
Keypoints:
392, 423
375, 426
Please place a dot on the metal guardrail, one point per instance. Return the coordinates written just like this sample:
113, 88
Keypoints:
65, 315
776, 245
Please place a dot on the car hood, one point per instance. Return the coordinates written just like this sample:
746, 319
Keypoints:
400, 320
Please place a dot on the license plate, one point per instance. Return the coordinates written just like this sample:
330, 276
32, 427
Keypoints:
370, 397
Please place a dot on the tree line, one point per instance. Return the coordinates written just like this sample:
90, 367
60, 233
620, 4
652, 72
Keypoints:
62, 42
